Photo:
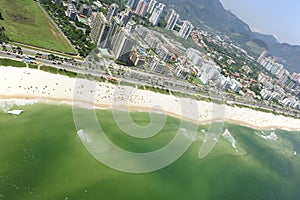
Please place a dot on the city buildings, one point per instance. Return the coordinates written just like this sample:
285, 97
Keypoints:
85, 10
164, 53
151, 6
138, 58
195, 56
157, 66
156, 14
72, 12
209, 72
122, 44
141, 8
262, 56
180, 71
132, 3
99, 29
171, 19
186, 29
235, 85
126, 15
130, 26
112, 35
112, 11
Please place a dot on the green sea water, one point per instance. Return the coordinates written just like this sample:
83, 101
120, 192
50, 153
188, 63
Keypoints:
42, 157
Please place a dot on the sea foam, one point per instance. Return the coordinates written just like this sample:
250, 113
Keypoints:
271, 136
7, 104
227, 135
83, 136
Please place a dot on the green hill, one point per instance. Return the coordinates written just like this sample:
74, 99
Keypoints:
25, 22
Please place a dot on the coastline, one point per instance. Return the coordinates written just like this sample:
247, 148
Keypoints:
34, 85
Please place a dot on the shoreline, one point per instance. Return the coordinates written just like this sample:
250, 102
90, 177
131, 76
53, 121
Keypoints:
54, 101
34, 85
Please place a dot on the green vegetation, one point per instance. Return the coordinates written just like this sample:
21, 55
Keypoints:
33, 66
77, 37
13, 63
162, 23
189, 43
67, 73
103, 10
155, 89
121, 3
255, 48
54, 70
49, 69
25, 22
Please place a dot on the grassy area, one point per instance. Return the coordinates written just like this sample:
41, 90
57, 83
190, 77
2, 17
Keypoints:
67, 73
25, 22
52, 70
13, 63
33, 66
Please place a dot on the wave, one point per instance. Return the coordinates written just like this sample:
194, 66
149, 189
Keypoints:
227, 135
271, 136
83, 136
7, 104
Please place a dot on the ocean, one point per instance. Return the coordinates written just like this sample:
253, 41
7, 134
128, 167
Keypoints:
43, 157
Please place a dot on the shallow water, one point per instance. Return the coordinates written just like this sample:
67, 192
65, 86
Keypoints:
42, 157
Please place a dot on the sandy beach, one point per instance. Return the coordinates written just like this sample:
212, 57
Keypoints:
40, 86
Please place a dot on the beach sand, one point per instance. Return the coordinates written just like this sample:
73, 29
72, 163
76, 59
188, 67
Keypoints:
32, 84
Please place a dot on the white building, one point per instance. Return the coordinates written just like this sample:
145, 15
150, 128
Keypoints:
181, 71
151, 6
99, 29
132, 3
156, 14
122, 45
157, 66
209, 72
171, 19
72, 11
235, 85
266, 94
112, 11
125, 16
186, 29
195, 56
141, 8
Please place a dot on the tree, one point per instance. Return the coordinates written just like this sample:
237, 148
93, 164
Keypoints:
162, 23
3, 37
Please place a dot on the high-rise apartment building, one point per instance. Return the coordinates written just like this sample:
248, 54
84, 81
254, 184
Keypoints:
112, 11
122, 45
156, 14
132, 3
99, 29
151, 6
126, 15
141, 8
186, 29
171, 19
